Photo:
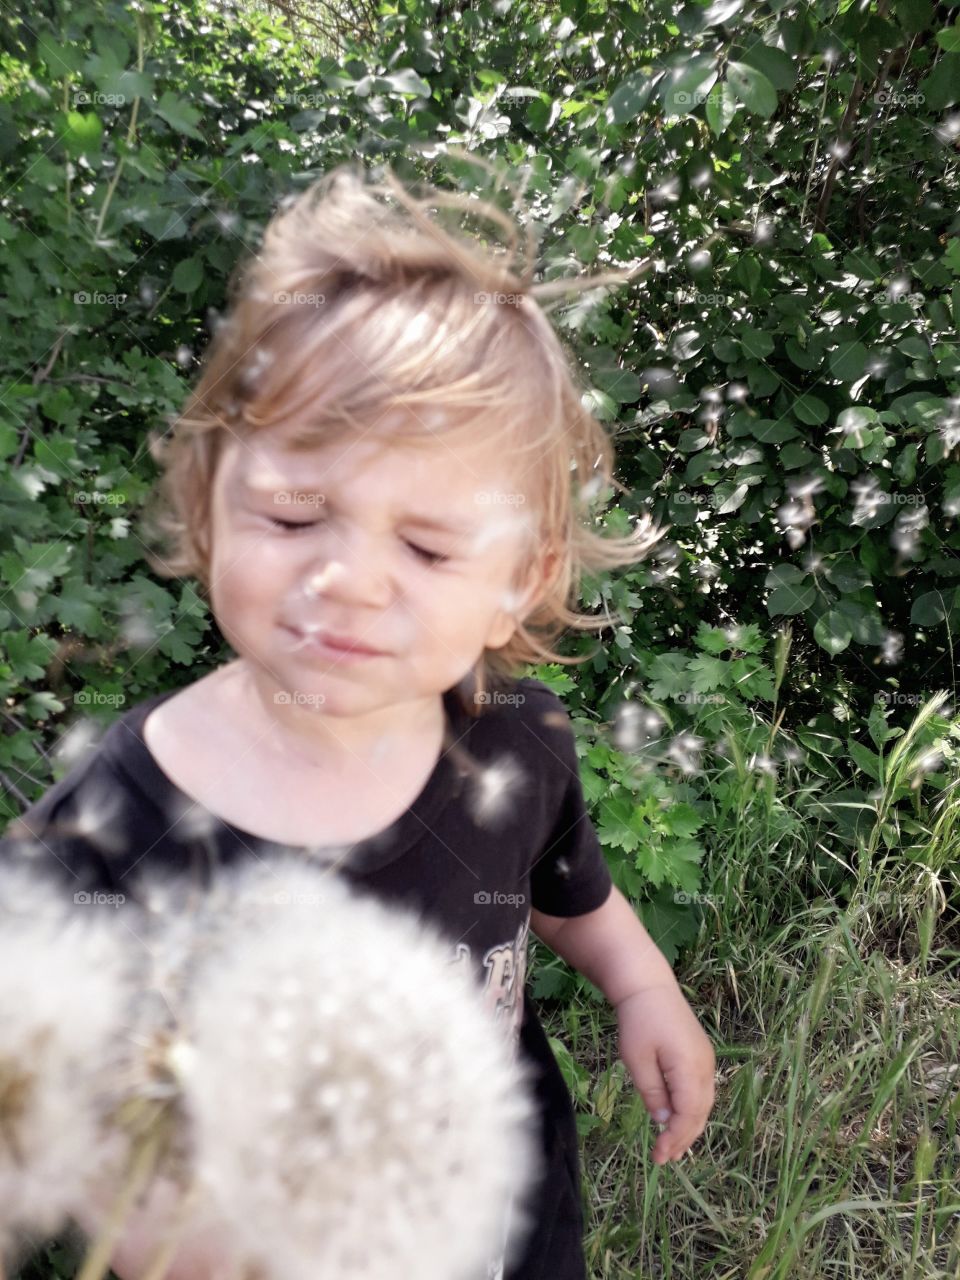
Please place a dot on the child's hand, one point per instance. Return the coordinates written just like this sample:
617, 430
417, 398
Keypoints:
672, 1063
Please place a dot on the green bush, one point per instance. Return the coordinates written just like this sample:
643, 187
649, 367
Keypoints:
782, 382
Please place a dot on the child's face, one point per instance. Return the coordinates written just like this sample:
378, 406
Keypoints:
355, 563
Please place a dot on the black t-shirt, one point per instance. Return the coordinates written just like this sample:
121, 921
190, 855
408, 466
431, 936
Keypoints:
499, 827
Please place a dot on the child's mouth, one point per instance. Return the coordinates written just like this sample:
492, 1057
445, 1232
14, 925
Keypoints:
344, 649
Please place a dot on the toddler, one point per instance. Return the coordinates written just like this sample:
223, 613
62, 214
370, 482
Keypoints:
382, 481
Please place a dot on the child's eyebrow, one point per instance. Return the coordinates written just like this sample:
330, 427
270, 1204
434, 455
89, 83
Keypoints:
417, 519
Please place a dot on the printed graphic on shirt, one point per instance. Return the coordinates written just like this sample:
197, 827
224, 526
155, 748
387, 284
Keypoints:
504, 973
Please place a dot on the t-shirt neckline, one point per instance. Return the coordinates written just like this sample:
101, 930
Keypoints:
127, 748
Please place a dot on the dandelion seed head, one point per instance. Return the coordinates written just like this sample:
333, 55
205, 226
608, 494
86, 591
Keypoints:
60, 1033
397, 1091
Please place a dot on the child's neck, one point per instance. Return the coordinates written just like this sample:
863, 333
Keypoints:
301, 737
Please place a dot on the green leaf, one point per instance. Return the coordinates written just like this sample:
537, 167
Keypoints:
756, 342
941, 88
406, 81
868, 760
82, 133
849, 361
949, 39
855, 426
27, 655
810, 409
685, 86
631, 96
933, 607
179, 115
721, 106
188, 275
671, 926
59, 59
832, 632
665, 862
914, 16
602, 406
752, 88
778, 67
791, 600
721, 11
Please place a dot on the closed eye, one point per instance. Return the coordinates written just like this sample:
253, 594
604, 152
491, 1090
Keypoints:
428, 557
291, 524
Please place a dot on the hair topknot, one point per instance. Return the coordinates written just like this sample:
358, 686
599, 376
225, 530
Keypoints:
360, 301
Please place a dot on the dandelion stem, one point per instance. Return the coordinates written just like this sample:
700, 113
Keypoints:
142, 1163
163, 1255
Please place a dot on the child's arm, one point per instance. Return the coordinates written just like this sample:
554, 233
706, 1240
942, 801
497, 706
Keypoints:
662, 1043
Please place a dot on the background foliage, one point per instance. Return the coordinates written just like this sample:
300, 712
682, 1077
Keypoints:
782, 383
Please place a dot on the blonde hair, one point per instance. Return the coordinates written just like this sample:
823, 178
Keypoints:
345, 281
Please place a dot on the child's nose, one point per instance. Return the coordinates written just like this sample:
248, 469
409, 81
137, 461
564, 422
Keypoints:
352, 578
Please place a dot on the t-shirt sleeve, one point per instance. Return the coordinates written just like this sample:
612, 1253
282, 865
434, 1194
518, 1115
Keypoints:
569, 875
47, 837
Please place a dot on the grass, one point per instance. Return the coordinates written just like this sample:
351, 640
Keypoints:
833, 1147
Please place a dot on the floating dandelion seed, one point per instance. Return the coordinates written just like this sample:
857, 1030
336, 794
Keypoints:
683, 750
763, 764
635, 726
699, 260
891, 648
495, 786
661, 381
137, 629
76, 742
411, 1130
252, 370
948, 130
59, 1031
706, 570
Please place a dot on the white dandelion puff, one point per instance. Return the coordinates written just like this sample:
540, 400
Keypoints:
354, 1109
60, 1027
